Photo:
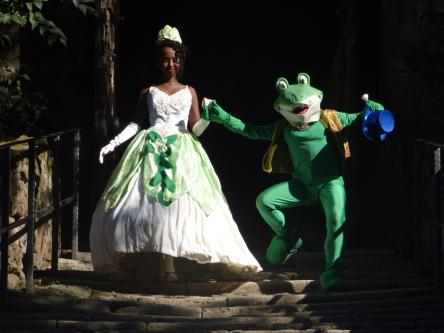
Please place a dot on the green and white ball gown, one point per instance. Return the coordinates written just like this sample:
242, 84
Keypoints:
164, 196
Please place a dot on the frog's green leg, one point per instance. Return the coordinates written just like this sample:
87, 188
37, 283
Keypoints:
332, 280
332, 197
281, 196
270, 204
281, 249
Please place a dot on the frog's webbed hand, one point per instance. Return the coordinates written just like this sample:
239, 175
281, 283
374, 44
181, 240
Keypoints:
214, 112
374, 106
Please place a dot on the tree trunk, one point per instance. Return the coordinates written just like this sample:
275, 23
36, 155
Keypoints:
106, 121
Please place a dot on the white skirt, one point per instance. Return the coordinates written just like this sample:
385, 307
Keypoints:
139, 223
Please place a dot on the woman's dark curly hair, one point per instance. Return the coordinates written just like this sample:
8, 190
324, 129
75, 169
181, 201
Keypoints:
180, 49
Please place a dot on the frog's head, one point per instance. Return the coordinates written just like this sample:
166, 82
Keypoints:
299, 103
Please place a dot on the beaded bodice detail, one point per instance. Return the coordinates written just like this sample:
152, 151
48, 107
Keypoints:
169, 111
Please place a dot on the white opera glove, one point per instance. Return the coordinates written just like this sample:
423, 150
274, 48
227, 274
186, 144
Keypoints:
200, 127
128, 132
202, 124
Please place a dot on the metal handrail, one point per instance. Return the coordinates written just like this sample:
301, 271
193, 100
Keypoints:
42, 216
28, 139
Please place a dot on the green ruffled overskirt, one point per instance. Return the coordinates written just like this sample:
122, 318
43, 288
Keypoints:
169, 166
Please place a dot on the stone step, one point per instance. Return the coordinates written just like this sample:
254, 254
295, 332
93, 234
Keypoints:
81, 256
196, 307
86, 256
302, 260
405, 330
420, 293
331, 310
248, 300
389, 267
315, 255
152, 312
236, 287
398, 271
385, 294
416, 330
348, 275
305, 263
395, 298
298, 321
293, 286
71, 264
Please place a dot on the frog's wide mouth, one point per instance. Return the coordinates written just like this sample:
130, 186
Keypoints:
300, 108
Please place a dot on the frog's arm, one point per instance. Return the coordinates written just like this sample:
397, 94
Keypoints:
215, 113
349, 118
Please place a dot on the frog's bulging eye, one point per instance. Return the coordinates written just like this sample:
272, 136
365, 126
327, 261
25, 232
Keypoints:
303, 78
282, 85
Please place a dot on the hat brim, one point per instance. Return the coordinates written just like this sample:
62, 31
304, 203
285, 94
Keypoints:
365, 129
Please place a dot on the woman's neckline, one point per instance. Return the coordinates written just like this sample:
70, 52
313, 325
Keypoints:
186, 86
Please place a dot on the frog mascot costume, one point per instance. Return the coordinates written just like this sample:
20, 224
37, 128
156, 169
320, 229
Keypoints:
305, 145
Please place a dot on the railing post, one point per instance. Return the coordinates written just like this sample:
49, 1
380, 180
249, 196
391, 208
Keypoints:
75, 207
55, 203
4, 219
30, 220
439, 263
29, 262
438, 215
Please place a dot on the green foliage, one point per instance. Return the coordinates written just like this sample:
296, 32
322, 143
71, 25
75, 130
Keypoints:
20, 106
28, 13
85, 6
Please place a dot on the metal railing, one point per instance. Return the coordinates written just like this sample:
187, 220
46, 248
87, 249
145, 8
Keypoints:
35, 218
427, 149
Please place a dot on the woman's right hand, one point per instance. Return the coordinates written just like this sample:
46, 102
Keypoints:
106, 150
129, 131
206, 103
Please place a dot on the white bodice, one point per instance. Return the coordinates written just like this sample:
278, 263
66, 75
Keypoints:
169, 113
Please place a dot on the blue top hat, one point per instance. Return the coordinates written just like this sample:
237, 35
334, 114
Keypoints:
377, 124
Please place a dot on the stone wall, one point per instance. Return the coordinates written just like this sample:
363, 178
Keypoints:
19, 208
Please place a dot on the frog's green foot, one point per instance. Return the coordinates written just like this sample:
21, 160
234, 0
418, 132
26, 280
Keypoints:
281, 249
331, 280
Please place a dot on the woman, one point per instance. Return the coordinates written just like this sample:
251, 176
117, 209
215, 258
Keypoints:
164, 196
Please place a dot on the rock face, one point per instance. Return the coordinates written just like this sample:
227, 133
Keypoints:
19, 208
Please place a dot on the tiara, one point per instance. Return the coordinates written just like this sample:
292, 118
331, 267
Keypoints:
168, 32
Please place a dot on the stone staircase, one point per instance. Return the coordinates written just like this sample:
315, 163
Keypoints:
385, 294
